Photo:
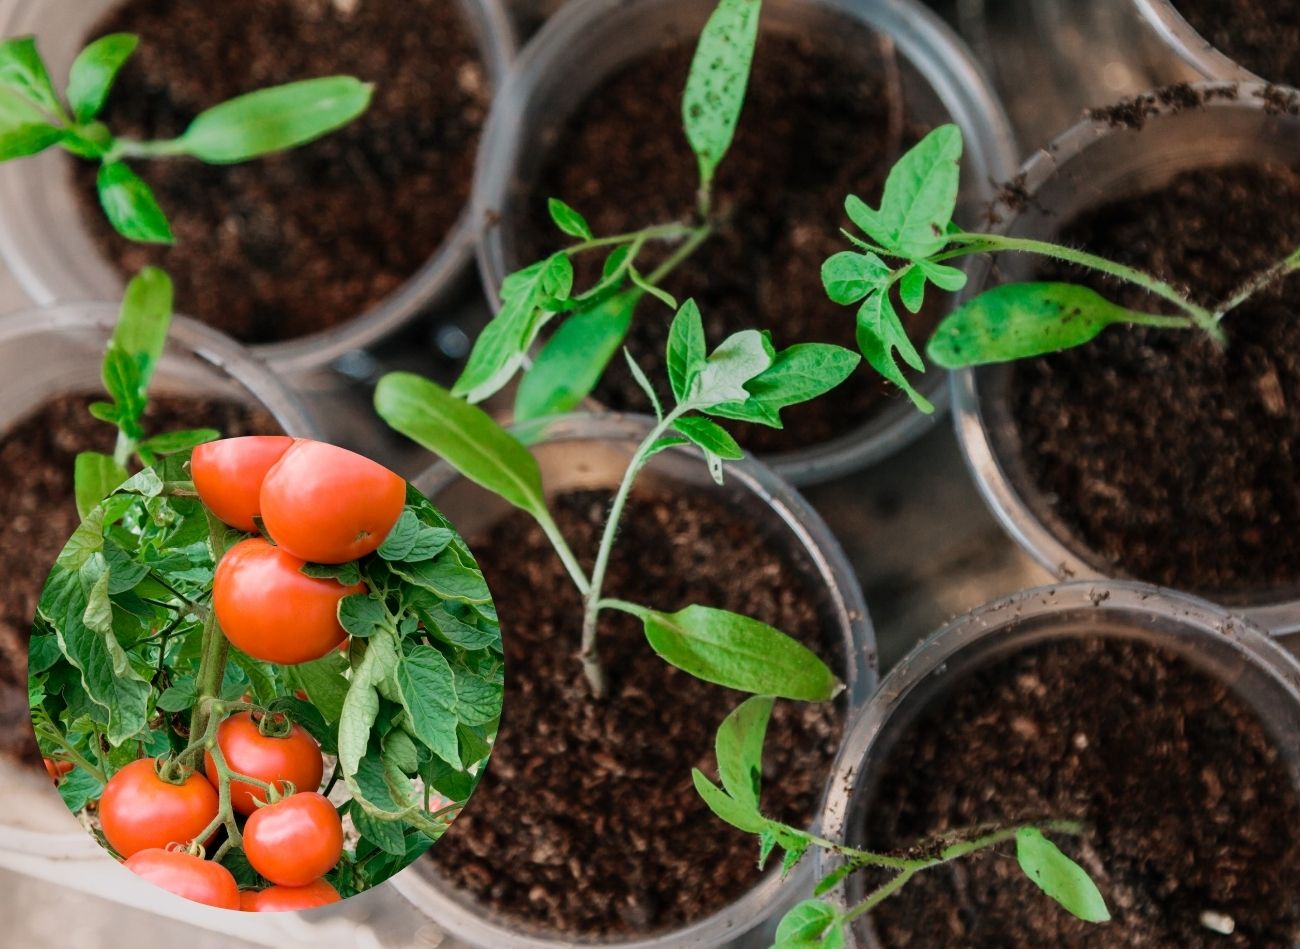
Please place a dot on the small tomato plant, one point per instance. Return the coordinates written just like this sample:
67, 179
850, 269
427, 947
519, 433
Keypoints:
34, 117
909, 243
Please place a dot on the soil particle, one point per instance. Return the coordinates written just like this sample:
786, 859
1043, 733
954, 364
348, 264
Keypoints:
1262, 35
587, 822
1133, 113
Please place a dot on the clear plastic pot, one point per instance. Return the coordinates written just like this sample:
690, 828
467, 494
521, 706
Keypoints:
1240, 655
579, 452
55, 350
1091, 164
588, 40
1170, 25
44, 242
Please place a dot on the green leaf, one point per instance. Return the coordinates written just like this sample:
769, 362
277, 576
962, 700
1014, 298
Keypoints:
919, 199
95, 477
709, 436
452, 629
1019, 320
715, 87
140, 335
428, 693
911, 288
94, 71
387, 835
361, 704
574, 358
942, 275
78, 788
464, 436
686, 349
739, 748
849, 276
402, 537
726, 808
180, 695
447, 579
643, 382
500, 349
362, 615
659, 293
557, 279
739, 358
737, 652
805, 924
171, 443
798, 374
1059, 877
324, 683
568, 220
832, 879
275, 119
880, 334
23, 71
348, 574
131, 207
23, 128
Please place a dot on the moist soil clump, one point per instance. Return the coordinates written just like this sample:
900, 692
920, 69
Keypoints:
1189, 807
1262, 35
1176, 460
819, 122
38, 514
587, 822
314, 236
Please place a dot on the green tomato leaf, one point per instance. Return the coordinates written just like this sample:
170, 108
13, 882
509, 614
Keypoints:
798, 374
739, 358
1059, 877
428, 694
324, 683
24, 129
452, 629
171, 443
500, 349
95, 477
1019, 320
911, 288
805, 925
710, 436
23, 71
574, 358
275, 119
715, 87
362, 615
737, 652
880, 334
130, 206
942, 275
686, 349
140, 336
402, 537
361, 704
94, 71
78, 788
643, 381
568, 220
463, 435
739, 748
660, 294
849, 276
726, 808
179, 696
919, 200
447, 580
387, 835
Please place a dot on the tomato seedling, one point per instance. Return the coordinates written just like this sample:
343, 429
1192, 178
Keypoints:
34, 117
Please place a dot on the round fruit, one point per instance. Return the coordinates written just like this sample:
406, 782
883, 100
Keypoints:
187, 875
139, 810
326, 504
282, 899
294, 841
295, 757
56, 769
268, 608
248, 900
228, 475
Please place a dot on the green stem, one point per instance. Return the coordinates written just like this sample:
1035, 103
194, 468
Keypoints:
124, 449
52, 734
198, 609
698, 236
212, 671
565, 552
1260, 281
657, 232
130, 148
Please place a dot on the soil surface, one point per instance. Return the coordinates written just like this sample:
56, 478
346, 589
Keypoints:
1262, 35
38, 514
587, 822
1178, 461
1190, 809
315, 236
820, 122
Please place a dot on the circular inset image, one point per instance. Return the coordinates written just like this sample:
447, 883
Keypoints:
265, 673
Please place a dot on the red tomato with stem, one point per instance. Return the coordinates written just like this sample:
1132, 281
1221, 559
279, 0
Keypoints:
295, 757
294, 841
56, 769
187, 875
268, 608
326, 504
228, 475
140, 811
285, 899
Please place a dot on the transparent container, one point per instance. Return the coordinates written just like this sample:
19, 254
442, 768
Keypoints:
1091, 164
45, 244
1163, 17
589, 40
579, 452
1233, 651
57, 350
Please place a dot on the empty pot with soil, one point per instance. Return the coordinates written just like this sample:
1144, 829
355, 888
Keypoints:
587, 828
1167, 727
837, 90
49, 372
1149, 453
333, 245
1247, 40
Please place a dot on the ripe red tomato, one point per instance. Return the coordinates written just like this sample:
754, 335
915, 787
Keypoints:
294, 841
187, 875
295, 757
326, 504
139, 810
248, 900
281, 899
228, 475
56, 769
270, 610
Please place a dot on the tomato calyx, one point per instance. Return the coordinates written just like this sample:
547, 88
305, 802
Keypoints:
273, 725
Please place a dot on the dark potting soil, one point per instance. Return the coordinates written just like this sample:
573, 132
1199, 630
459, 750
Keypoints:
1177, 461
38, 514
818, 124
314, 236
587, 821
1190, 809
1262, 35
